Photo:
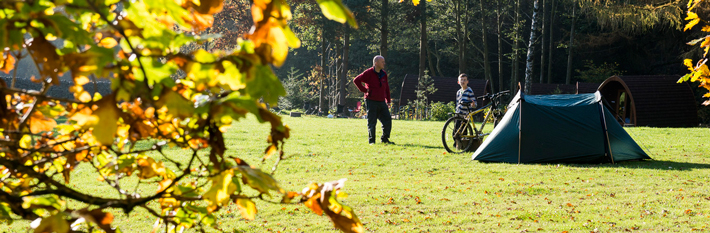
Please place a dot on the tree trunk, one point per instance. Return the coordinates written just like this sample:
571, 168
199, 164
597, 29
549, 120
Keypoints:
551, 48
431, 63
486, 59
516, 46
545, 32
322, 72
464, 40
571, 45
499, 23
346, 51
422, 39
531, 48
459, 38
384, 14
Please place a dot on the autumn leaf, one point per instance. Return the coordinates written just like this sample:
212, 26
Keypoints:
39, 123
45, 54
54, 223
98, 217
221, 190
313, 204
106, 116
247, 208
7, 63
259, 180
176, 104
149, 168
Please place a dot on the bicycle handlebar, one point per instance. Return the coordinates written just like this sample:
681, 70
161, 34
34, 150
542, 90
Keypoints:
496, 95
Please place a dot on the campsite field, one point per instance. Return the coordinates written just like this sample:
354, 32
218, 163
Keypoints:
415, 186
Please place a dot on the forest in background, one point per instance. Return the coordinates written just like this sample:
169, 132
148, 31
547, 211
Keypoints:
576, 40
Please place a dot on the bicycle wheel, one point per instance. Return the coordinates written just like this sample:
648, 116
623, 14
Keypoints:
457, 143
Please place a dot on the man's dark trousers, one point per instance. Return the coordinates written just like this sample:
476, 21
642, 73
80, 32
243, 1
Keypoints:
378, 110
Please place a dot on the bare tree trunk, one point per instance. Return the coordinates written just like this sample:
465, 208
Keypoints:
459, 38
322, 71
571, 45
422, 39
545, 32
516, 46
486, 59
430, 54
499, 23
344, 75
531, 48
384, 14
551, 48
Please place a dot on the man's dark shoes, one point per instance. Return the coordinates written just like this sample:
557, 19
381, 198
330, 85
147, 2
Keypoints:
388, 142
372, 143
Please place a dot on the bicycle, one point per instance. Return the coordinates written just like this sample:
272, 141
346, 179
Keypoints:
460, 133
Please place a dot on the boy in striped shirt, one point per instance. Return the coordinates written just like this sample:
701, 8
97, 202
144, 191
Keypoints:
464, 97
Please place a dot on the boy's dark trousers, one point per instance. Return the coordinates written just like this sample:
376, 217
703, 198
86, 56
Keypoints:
378, 110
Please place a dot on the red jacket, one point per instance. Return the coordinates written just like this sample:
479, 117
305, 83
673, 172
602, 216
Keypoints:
377, 89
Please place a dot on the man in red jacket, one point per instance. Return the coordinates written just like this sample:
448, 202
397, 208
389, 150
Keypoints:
377, 97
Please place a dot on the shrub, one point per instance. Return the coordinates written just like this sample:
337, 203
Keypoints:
440, 110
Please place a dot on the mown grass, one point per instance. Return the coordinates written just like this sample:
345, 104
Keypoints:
415, 186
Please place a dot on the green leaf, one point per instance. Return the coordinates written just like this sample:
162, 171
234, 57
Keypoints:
157, 71
259, 180
336, 11
5, 213
685, 78
265, 85
49, 202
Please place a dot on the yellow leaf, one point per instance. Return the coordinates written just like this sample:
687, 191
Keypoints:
247, 208
222, 188
691, 15
704, 70
691, 24
26, 141
108, 42
54, 223
416, 2
706, 28
688, 63
107, 118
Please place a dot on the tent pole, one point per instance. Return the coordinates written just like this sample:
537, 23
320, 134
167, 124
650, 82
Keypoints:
520, 125
606, 132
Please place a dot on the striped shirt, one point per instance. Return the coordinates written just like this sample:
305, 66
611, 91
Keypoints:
464, 98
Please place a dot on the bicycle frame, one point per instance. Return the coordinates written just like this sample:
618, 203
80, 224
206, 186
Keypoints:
469, 118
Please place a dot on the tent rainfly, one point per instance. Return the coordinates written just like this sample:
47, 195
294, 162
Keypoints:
558, 129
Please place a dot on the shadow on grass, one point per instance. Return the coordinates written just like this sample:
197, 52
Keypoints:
649, 164
421, 146
637, 164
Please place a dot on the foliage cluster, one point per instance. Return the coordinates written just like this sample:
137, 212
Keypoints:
699, 71
598, 73
138, 46
440, 111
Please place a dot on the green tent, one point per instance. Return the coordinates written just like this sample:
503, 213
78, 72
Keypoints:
558, 129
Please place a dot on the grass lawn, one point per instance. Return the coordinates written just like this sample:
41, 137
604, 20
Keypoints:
415, 186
